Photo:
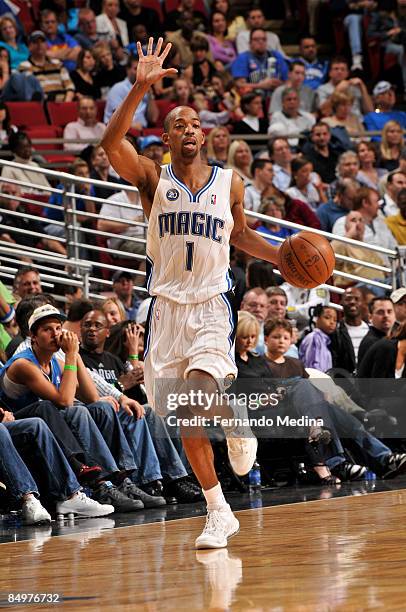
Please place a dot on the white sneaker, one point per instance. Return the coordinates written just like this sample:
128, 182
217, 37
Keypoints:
81, 505
357, 62
220, 525
241, 442
224, 573
33, 513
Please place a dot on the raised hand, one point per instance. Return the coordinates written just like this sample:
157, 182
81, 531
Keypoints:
149, 69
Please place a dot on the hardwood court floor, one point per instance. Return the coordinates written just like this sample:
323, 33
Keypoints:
339, 554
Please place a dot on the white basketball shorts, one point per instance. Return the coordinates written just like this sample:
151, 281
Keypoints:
184, 337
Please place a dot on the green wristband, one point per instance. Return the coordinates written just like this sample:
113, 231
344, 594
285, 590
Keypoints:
70, 367
133, 357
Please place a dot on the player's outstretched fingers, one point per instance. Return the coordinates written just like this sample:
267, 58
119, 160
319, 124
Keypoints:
139, 49
150, 45
158, 46
165, 52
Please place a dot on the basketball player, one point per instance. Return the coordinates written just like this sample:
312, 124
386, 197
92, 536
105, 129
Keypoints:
195, 212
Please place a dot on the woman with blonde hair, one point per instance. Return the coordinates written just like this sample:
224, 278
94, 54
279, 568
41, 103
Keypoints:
240, 159
392, 144
18, 51
369, 175
114, 311
218, 144
341, 104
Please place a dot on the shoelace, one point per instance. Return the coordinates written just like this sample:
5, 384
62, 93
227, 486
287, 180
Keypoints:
213, 523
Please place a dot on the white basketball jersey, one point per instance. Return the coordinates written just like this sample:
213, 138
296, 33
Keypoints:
188, 238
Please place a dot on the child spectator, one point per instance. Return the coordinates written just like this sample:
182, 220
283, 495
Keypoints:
314, 348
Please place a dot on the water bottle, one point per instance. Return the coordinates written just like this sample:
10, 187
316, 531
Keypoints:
370, 480
302, 474
271, 67
254, 479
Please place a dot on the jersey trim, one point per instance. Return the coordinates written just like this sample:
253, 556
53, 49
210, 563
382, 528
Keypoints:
196, 196
232, 317
148, 327
149, 271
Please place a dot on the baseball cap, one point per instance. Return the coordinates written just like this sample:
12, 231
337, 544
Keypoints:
382, 87
45, 312
398, 294
121, 274
36, 35
147, 141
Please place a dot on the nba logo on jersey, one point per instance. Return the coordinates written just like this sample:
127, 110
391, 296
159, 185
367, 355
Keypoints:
213, 199
172, 194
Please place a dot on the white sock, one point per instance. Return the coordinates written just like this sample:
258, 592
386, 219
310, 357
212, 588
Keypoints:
215, 498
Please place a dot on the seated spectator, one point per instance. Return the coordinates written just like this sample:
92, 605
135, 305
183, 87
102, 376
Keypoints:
315, 70
347, 167
114, 311
397, 223
146, 112
314, 349
255, 301
262, 178
391, 145
341, 104
133, 13
27, 282
296, 77
218, 144
290, 122
386, 358
108, 73
338, 206
21, 147
320, 152
381, 320
385, 100
52, 76
398, 298
350, 331
87, 35
396, 181
340, 83
14, 233
366, 201
368, 175
353, 24
235, 23
260, 274
85, 128
183, 37
253, 120
100, 170
281, 156
240, 159
173, 19
202, 69
107, 23
306, 184
18, 51
260, 68
152, 147
60, 47
355, 229
271, 208
4, 68
222, 50
208, 119
122, 223
295, 210
83, 76
223, 94
255, 18
123, 287
388, 27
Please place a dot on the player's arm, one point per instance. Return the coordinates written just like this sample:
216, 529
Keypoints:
242, 236
135, 168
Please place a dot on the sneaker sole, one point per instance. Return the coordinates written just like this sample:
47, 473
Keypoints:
202, 546
249, 462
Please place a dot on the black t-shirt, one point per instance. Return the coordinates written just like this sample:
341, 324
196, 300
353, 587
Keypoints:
367, 341
147, 17
290, 369
107, 365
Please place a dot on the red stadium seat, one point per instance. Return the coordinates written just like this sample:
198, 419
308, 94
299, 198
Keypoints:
25, 114
29, 14
100, 109
49, 132
61, 113
152, 132
164, 107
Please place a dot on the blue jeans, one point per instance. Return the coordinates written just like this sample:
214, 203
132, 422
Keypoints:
399, 51
34, 436
107, 421
13, 469
308, 400
169, 459
353, 25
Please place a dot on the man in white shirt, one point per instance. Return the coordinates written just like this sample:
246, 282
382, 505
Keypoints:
262, 172
290, 121
366, 201
85, 128
396, 181
256, 19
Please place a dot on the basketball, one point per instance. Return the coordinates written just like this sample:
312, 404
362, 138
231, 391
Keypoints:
306, 260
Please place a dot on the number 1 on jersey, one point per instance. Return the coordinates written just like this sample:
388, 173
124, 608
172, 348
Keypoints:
189, 255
